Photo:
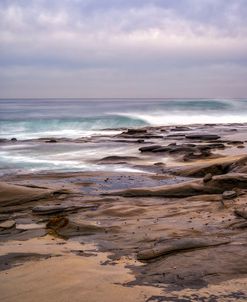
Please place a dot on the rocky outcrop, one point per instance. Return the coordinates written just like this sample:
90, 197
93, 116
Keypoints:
215, 166
217, 185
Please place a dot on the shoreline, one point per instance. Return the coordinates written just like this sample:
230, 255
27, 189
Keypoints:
174, 230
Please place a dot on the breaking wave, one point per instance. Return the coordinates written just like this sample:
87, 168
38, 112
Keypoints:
26, 119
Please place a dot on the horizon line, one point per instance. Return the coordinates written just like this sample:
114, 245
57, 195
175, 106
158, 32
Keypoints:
124, 98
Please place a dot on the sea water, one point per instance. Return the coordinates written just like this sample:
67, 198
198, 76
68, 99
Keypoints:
27, 119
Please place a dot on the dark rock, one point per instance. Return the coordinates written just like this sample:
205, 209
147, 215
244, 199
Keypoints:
174, 148
180, 135
211, 146
235, 143
140, 135
180, 128
136, 131
217, 146
149, 148
203, 136
51, 141
115, 158
13, 139
159, 164
162, 149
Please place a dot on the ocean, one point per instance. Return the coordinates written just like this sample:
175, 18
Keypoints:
26, 119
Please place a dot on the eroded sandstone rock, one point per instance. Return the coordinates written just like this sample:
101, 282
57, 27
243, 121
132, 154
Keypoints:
217, 185
178, 245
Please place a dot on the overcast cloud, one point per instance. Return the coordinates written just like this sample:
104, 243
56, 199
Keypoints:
121, 48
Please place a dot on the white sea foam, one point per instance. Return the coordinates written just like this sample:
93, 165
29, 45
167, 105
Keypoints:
59, 133
54, 160
163, 119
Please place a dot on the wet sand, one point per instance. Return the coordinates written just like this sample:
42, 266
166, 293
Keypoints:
173, 229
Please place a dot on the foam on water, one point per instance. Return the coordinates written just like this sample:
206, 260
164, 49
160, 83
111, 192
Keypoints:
162, 119
38, 156
28, 119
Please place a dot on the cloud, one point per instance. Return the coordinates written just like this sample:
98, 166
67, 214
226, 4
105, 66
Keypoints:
135, 39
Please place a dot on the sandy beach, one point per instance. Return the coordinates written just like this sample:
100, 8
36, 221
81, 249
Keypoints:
172, 227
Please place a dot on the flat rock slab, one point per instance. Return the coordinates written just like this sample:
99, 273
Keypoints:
117, 158
217, 185
203, 136
11, 194
136, 131
149, 148
7, 224
50, 209
178, 246
31, 226
180, 128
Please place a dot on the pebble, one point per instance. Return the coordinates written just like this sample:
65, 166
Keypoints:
207, 177
229, 194
7, 224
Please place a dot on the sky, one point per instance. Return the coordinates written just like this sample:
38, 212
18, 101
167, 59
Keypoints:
123, 48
